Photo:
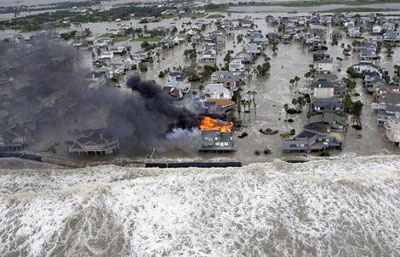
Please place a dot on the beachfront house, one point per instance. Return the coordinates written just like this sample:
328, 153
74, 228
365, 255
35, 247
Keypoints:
323, 132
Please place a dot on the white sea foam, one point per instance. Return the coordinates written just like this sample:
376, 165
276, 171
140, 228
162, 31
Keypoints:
322, 208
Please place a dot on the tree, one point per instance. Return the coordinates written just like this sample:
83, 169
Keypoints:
350, 84
239, 38
286, 107
274, 46
238, 100
348, 104
307, 75
243, 102
357, 108
263, 69
292, 81
227, 59
389, 50
144, 44
208, 70
158, 56
253, 94
294, 102
296, 79
174, 30
301, 101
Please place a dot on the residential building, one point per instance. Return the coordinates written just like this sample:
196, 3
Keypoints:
321, 105
94, 142
219, 106
216, 141
13, 139
392, 126
322, 89
236, 65
365, 66
216, 91
323, 132
229, 80
324, 65
178, 80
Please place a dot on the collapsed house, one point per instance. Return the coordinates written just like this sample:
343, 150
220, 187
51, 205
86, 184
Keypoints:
94, 142
12, 140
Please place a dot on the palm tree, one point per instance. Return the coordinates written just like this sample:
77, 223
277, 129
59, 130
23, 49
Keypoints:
243, 101
158, 56
292, 81
301, 102
307, 75
253, 94
238, 103
294, 102
286, 107
296, 79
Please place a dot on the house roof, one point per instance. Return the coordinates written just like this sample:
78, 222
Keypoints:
327, 117
222, 102
306, 134
326, 60
325, 102
390, 98
321, 84
225, 74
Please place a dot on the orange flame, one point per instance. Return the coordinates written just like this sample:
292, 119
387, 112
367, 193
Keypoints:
208, 123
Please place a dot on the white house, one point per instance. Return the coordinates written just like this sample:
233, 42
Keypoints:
322, 90
324, 65
365, 66
209, 55
253, 49
217, 91
392, 127
354, 32
377, 29
388, 26
236, 65
178, 80
106, 55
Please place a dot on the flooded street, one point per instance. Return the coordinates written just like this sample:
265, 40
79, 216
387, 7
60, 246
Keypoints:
273, 92
344, 205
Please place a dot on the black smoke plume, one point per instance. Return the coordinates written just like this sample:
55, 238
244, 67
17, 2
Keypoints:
45, 89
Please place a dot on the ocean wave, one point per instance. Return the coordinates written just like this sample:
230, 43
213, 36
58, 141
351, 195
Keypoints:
334, 207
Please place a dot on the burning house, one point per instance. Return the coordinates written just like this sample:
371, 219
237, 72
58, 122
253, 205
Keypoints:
216, 136
94, 142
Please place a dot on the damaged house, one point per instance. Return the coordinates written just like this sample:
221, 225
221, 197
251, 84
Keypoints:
94, 142
12, 140
324, 131
216, 136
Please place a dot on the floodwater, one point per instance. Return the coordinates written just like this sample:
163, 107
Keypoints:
320, 8
347, 207
273, 92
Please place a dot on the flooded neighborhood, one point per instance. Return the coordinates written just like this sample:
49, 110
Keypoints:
288, 85
199, 128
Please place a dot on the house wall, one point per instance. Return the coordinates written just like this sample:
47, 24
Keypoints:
393, 131
324, 66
